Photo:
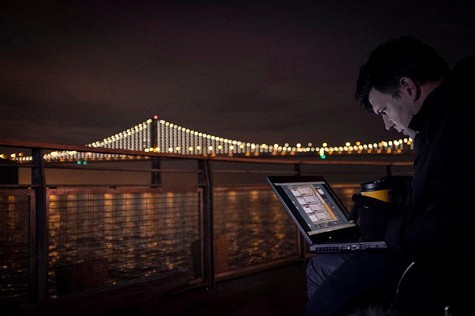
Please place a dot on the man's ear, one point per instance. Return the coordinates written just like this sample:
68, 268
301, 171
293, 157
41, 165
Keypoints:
409, 87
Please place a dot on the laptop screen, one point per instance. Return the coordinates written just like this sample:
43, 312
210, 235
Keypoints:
313, 205
317, 206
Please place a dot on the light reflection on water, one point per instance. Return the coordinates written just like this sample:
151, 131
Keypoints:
110, 238
119, 237
254, 227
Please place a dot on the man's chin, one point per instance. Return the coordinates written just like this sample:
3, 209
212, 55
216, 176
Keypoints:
409, 133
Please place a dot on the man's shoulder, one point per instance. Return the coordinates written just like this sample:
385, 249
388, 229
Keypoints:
465, 64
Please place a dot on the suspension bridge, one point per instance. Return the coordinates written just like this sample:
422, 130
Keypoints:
161, 136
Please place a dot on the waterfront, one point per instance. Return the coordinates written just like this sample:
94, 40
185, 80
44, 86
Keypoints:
71, 230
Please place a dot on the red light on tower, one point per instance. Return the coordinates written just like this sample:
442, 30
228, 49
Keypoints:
155, 117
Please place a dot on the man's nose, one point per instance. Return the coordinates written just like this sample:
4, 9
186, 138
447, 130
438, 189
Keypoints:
388, 123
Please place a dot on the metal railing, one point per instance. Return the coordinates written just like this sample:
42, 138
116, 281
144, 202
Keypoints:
173, 221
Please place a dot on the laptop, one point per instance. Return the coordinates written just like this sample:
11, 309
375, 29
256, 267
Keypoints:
320, 216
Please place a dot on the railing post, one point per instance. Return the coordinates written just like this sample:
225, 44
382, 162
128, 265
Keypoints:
40, 255
388, 170
297, 169
300, 240
204, 180
155, 177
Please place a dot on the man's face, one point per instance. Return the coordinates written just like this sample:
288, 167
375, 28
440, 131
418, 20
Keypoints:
396, 112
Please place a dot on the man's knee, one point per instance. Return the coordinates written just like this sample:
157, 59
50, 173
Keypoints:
320, 267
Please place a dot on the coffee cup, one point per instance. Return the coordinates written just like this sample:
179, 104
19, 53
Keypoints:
378, 189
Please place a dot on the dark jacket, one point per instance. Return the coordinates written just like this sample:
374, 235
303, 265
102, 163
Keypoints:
437, 229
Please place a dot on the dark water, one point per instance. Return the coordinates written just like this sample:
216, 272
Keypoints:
100, 239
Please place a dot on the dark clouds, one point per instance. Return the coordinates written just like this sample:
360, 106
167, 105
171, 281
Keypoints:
74, 72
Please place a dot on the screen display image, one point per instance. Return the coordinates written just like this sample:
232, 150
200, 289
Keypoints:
317, 206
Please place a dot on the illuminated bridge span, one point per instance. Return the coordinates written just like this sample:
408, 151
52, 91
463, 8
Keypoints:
160, 136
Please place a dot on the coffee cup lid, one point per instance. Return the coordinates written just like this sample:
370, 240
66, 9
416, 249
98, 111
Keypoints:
379, 184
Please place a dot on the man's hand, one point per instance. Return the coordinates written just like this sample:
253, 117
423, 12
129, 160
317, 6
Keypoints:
400, 189
372, 215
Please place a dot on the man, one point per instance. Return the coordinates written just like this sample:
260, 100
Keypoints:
428, 266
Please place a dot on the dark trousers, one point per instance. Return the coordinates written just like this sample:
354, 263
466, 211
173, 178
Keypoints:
355, 280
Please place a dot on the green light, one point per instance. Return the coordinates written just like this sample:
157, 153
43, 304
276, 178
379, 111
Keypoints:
79, 162
323, 156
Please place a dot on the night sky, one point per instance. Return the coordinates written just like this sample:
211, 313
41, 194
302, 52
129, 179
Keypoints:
74, 72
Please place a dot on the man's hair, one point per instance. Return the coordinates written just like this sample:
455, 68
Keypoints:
401, 57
